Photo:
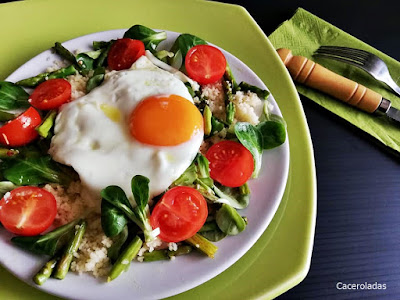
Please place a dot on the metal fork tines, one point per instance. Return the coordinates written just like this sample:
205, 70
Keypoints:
364, 60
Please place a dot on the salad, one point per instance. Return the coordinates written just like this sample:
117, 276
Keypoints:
200, 205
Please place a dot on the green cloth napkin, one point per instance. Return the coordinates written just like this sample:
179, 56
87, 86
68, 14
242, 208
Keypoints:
303, 34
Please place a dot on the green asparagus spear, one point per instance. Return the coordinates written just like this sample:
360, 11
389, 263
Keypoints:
203, 245
64, 263
62, 73
47, 124
7, 153
182, 250
36, 80
229, 76
124, 260
155, 255
101, 44
263, 94
165, 254
230, 113
45, 272
33, 81
64, 53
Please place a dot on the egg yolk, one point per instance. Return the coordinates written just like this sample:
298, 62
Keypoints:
165, 120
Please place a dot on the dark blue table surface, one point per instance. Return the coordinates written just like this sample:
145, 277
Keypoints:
357, 237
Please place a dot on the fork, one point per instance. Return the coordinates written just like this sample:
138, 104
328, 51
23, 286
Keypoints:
364, 60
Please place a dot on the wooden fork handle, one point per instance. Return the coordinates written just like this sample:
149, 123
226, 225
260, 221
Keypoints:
316, 76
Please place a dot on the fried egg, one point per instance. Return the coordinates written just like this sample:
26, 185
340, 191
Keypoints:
140, 121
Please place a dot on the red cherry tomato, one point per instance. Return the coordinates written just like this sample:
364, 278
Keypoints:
180, 213
205, 64
28, 210
21, 130
231, 164
51, 94
124, 52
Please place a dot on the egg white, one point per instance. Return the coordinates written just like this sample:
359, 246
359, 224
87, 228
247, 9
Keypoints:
92, 133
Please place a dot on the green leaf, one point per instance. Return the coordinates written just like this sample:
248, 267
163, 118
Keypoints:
93, 54
190, 89
273, 134
38, 149
12, 96
211, 231
140, 215
229, 221
216, 125
84, 61
149, 37
213, 235
238, 197
34, 171
97, 45
186, 41
7, 116
48, 244
140, 190
96, 79
116, 197
181, 47
188, 177
113, 221
102, 60
163, 55
176, 61
6, 186
114, 251
251, 138
203, 166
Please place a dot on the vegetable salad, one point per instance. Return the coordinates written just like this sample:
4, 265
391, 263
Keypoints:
199, 208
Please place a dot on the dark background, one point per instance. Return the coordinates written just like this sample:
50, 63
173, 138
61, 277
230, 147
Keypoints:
357, 236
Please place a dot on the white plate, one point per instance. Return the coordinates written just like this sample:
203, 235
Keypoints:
157, 280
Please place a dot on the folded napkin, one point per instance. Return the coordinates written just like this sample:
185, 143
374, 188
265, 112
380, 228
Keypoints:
303, 34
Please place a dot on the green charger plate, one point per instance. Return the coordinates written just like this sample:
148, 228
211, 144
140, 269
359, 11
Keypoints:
281, 257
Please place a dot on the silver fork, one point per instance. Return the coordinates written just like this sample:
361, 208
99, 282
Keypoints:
364, 60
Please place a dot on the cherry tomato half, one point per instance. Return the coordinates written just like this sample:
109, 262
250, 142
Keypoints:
51, 94
27, 210
205, 64
231, 164
124, 52
179, 214
21, 130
